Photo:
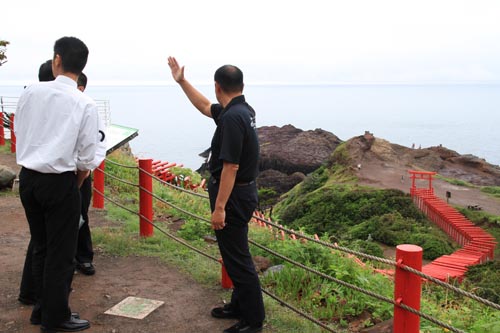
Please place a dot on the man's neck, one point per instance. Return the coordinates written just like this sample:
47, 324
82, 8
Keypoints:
72, 76
226, 98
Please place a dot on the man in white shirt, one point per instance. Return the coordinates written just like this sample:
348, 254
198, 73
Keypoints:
57, 135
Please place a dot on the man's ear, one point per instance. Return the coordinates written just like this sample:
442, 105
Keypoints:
56, 65
218, 89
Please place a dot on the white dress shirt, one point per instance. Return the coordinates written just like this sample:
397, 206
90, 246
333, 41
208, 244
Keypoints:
57, 128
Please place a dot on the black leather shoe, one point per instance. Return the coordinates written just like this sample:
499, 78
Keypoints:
243, 327
26, 300
85, 268
72, 325
225, 312
37, 320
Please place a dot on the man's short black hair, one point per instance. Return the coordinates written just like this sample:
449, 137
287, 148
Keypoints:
82, 80
45, 72
230, 78
73, 53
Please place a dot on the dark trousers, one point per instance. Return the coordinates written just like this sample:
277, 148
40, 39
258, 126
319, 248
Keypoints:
52, 206
27, 288
84, 250
233, 245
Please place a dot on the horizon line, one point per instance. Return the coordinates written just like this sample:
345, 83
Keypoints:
269, 83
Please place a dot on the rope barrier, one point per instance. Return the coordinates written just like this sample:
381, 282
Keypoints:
361, 254
174, 186
280, 301
385, 261
356, 288
175, 206
297, 311
328, 277
120, 180
122, 165
451, 287
116, 203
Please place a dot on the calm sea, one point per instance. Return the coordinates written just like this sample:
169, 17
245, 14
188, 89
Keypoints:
465, 118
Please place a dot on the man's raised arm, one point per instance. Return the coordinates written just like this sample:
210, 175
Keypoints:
195, 97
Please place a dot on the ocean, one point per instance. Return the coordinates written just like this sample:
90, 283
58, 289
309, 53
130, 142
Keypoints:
464, 118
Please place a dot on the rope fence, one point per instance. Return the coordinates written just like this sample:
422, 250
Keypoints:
398, 303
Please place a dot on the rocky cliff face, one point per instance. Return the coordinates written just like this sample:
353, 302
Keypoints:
287, 154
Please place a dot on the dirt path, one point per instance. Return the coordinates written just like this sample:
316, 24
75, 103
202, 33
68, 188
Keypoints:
187, 305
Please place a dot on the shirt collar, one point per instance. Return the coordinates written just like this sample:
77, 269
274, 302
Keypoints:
236, 100
66, 80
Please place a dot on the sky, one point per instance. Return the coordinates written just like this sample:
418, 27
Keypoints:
272, 41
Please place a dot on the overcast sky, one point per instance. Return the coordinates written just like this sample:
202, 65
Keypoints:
270, 40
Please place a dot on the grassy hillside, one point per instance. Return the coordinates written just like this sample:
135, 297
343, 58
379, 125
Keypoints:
330, 202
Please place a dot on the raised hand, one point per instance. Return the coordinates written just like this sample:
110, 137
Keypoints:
177, 71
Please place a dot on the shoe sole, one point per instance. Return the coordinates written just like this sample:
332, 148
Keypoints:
54, 330
223, 316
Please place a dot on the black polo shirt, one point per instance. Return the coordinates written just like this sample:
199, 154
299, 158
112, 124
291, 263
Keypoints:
235, 139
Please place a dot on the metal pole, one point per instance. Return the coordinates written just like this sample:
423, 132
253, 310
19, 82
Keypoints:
12, 135
407, 289
97, 198
145, 199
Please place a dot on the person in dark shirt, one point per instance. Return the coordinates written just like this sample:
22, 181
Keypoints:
233, 165
84, 250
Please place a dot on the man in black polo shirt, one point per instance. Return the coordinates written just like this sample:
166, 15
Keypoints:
232, 190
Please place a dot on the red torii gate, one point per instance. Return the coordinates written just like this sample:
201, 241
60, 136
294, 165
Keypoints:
421, 175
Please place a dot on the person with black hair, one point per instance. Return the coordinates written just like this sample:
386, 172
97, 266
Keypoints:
232, 190
45, 72
57, 137
81, 83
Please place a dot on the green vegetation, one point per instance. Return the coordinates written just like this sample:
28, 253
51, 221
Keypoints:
5, 149
326, 300
350, 214
454, 181
493, 190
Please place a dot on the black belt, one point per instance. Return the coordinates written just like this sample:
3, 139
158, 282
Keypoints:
236, 183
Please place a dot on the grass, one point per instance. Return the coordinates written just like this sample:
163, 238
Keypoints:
325, 300
123, 240
454, 181
5, 149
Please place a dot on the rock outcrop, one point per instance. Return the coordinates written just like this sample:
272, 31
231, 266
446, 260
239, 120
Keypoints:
288, 149
446, 162
7, 176
288, 154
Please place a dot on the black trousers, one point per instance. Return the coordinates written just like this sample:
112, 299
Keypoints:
233, 245
84, 250
52, 206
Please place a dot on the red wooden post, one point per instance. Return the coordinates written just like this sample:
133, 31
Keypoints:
12, 135
225, 280
98, 199
145, 198
407, 289
2, 131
